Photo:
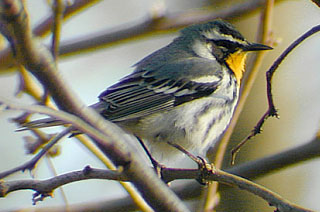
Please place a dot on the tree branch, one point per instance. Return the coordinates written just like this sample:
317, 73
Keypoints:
109, 137
44, 188
249, 170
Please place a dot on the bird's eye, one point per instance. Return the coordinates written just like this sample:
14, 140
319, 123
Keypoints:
221, 48
226, 44
217, 51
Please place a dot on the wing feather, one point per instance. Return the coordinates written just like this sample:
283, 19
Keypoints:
145, 92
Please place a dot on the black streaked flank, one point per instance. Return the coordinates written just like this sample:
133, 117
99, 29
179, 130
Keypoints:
216, 119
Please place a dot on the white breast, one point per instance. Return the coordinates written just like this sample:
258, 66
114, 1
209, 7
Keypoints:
195, 125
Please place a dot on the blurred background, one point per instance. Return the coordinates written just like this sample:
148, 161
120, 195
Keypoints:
296, 89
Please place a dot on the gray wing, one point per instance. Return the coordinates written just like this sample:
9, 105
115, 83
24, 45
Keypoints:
145, 92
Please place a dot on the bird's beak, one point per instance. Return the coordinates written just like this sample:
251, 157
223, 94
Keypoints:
256, 47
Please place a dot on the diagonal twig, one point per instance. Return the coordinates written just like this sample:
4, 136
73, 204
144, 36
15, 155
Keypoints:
32, 163
272, 111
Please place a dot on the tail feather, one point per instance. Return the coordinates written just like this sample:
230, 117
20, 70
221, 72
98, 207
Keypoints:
41, 123
50, 122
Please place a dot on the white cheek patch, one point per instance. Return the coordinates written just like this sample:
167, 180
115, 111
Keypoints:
202, 50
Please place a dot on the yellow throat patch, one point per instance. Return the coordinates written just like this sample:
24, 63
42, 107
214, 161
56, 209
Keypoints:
236, 63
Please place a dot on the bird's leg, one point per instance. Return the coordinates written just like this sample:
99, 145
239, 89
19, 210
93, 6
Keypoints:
203, 165
156, 165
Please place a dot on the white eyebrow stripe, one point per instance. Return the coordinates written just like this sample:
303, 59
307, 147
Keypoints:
215, 35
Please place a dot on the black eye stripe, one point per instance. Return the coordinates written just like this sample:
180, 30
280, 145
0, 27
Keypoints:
227, 44
231, 46
222, 48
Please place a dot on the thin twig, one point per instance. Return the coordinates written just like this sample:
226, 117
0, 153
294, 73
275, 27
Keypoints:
58, 9
264, 37
76, 7
269, 164
272, 111
6, 59
31, 164
27, 85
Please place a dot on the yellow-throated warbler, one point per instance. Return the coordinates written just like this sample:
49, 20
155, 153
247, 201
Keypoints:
185, 93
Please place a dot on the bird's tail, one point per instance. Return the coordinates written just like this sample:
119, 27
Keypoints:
41, 123
50, 122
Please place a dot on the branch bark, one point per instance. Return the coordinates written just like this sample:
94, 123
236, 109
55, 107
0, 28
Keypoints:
249, 170
109, 139
45, 188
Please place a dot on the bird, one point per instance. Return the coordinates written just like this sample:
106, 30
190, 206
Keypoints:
183, 94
